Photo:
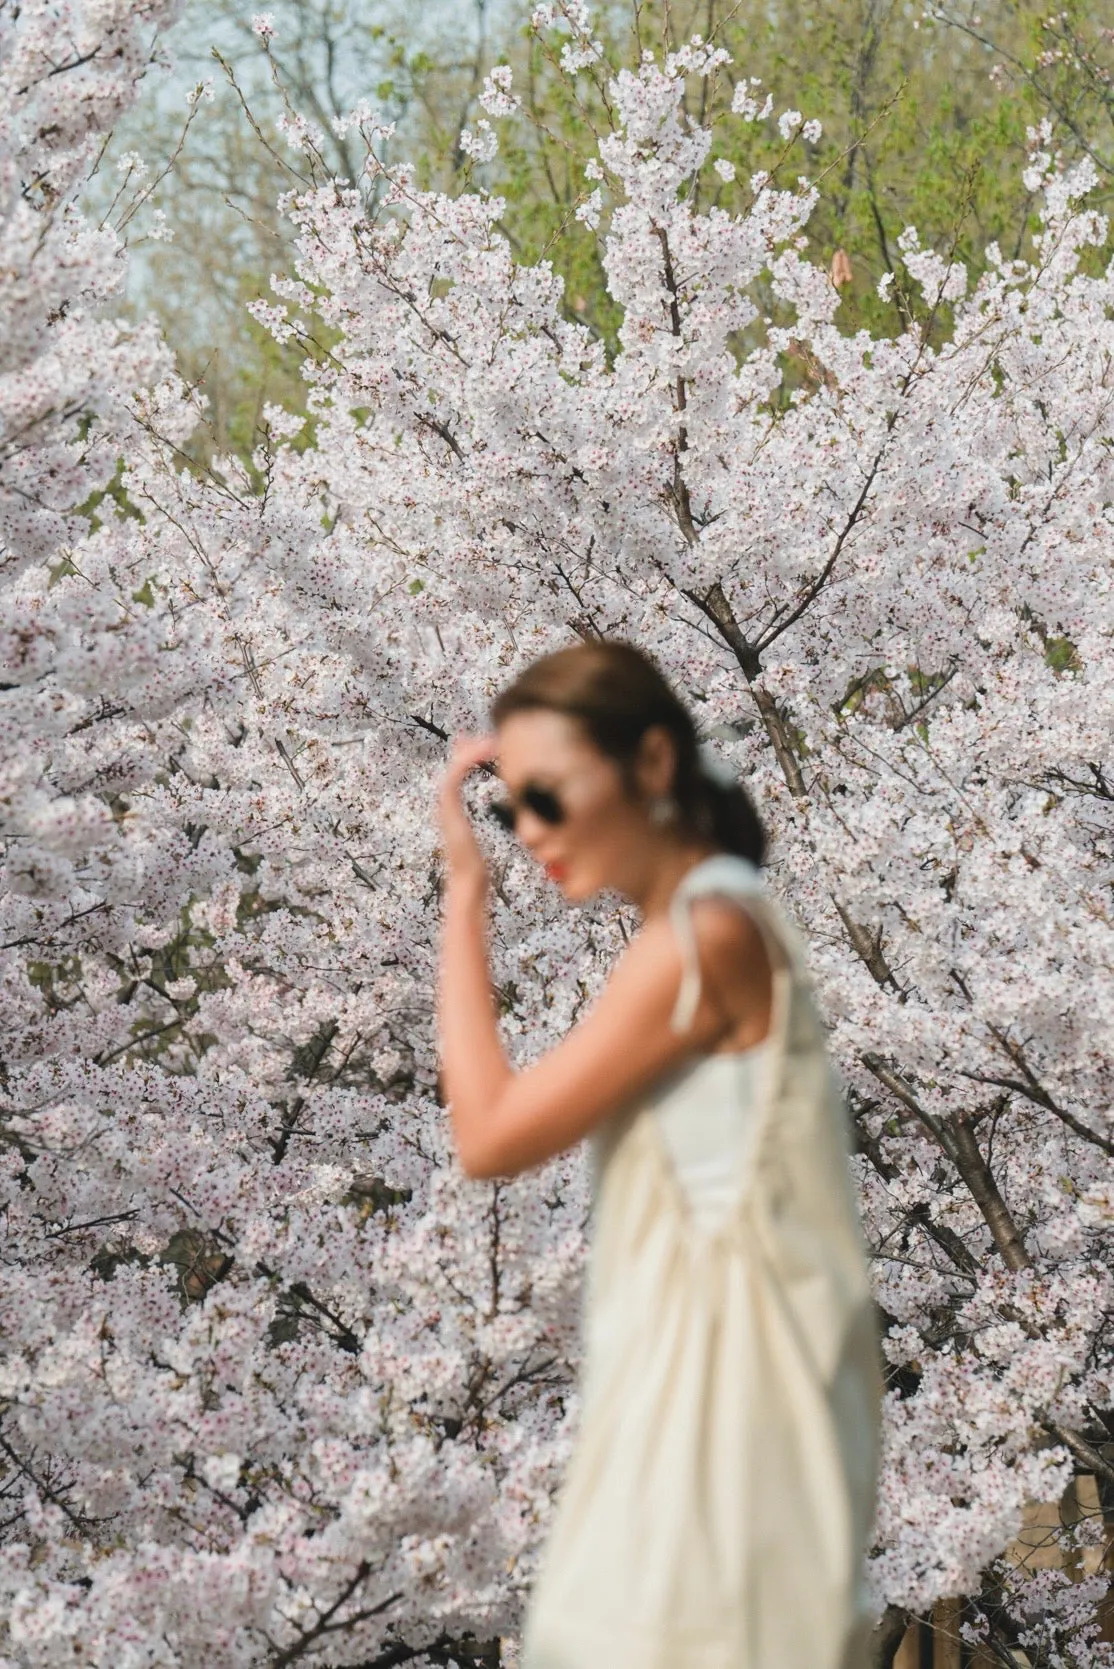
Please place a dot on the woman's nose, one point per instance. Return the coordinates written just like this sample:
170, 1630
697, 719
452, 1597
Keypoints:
530, 830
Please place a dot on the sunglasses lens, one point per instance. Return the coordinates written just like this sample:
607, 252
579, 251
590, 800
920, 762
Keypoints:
540, 802
544, 804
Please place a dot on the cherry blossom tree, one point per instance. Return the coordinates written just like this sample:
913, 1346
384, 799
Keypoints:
279, 1385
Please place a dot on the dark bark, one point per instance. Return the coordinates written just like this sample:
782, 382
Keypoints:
976, 1173
887, 1637
715, 606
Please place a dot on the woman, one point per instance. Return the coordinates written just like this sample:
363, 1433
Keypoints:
721, 1492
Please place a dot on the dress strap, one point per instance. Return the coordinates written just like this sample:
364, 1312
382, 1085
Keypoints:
723, 876
688, 992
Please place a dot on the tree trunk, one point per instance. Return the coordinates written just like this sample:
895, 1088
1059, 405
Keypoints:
887, 1637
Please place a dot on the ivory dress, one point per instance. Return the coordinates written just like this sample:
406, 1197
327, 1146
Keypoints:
720, 1496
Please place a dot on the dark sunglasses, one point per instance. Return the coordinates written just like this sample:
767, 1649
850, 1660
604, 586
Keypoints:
542, 802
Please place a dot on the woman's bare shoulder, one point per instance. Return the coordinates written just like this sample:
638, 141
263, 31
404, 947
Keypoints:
724, 927
724, 931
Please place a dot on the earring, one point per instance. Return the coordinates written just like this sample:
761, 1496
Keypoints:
663, 810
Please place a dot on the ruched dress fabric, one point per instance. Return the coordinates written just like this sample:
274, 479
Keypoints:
720, 1495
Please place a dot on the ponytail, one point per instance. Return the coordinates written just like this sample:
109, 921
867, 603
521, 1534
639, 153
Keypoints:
715, 804
730, 819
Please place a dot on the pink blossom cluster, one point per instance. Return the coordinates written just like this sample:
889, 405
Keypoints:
278, 1385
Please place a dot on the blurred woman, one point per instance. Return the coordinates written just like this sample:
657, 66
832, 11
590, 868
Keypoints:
721, 1491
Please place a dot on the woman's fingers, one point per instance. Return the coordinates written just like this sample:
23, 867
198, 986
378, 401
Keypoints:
481, 746
460, 845
468, 752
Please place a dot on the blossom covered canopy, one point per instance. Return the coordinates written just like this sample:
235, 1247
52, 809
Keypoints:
278, 1385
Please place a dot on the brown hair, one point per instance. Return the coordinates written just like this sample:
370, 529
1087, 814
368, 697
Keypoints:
617, 693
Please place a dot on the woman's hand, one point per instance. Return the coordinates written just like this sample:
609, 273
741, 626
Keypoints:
463, 857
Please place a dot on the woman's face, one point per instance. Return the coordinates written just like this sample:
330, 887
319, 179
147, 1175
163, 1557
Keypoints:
602, 838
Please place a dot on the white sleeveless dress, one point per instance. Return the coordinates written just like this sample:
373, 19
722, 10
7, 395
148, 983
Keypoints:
720, 1496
